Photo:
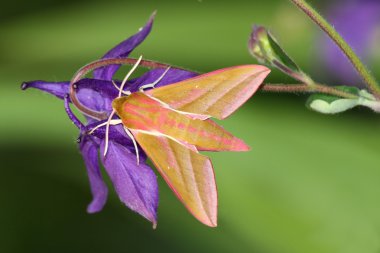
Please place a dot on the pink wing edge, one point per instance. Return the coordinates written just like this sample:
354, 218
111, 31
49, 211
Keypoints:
212, 221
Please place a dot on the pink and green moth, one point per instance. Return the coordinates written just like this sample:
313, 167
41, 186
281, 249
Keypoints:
172, 124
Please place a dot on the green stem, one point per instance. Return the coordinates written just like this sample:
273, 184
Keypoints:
300, 76
303, 88
347, 50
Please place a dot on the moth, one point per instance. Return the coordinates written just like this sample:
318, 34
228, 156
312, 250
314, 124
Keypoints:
172, 124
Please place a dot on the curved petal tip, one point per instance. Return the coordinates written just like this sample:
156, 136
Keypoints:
24, 86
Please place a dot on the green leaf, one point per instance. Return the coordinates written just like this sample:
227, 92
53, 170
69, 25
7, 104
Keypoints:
336, 106
328, 104
281, 54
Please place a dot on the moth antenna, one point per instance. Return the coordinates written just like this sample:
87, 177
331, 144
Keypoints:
108, 131
112, 123
121, 88
134, 144
125, 92
151, 85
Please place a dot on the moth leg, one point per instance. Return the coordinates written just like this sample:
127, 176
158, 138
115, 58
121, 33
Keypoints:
134, 144
112, 123
151, 85
113, 111
125, 92
108, 131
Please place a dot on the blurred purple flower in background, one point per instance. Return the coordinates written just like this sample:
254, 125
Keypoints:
357, 21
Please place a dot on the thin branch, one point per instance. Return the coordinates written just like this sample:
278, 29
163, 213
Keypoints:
303, 88
285, 88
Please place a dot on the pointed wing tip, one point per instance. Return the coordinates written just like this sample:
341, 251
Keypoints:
266, 71
256, 70
210, 222
238, 145
253, 69
244, 148
250, 67
210, 217
255, 74
261, 68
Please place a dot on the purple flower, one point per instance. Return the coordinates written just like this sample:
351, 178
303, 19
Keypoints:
135, 184
356, 21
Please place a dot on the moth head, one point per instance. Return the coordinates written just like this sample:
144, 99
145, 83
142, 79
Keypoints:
117, 104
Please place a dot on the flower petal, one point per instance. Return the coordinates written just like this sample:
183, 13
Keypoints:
123, 50
96, 94
172, 76
116, 134
361, 16
58, 89
89, 150
135, 184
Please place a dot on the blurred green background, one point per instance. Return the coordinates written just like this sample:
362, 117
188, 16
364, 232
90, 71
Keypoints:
310, 184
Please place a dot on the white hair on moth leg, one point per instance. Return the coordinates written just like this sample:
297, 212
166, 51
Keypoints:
134, 144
